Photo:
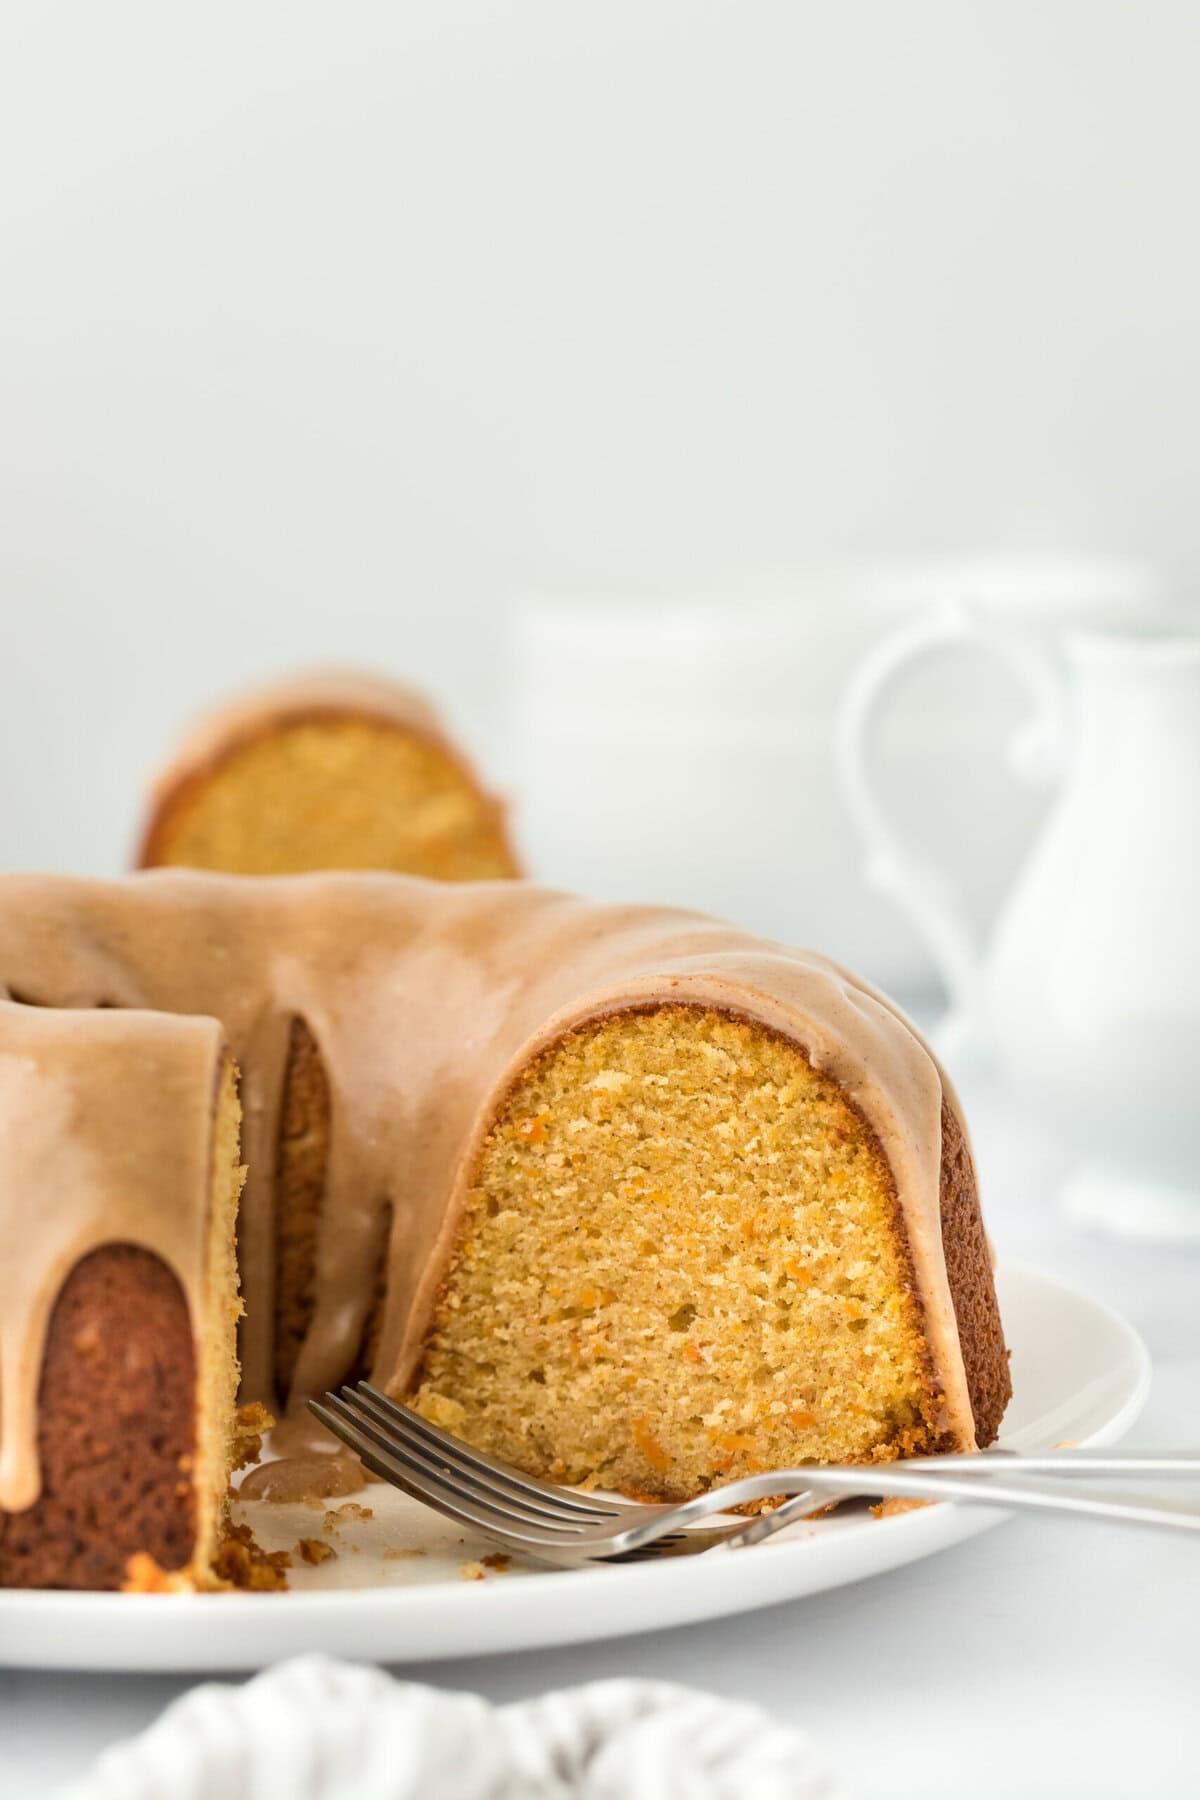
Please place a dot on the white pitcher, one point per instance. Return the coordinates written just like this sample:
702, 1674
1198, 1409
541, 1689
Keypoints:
700, 724
1089, 991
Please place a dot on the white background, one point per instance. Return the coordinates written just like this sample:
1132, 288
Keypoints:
323, 329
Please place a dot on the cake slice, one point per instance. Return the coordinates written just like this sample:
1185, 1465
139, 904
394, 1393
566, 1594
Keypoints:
119, 1302
685, 1257
326, 772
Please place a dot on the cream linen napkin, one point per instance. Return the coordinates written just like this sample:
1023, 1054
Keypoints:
315, 1729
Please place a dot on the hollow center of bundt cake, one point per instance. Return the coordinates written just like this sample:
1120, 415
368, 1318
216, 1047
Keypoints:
338, 793
682, 1261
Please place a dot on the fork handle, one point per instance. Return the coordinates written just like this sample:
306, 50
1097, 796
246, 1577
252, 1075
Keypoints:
1007, 1494
1085, 1461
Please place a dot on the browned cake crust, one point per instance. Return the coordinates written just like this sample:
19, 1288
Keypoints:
304, 1121
972, 1287
304, 1128
115, 1430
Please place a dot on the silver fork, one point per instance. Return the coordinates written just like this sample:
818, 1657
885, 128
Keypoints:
569, 1528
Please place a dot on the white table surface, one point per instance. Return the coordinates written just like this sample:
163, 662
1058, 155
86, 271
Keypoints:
1043, 1658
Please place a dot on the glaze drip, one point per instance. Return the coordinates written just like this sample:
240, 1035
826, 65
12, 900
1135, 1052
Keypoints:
93, 1157
298, 1478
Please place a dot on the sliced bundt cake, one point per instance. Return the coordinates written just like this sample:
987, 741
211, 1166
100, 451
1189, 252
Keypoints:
622, 1193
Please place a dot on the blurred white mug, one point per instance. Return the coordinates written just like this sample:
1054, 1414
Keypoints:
683, 750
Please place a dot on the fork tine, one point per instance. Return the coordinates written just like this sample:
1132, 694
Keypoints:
413, 1425
553, 1543
476, 1473
425, 1476
454, 1507
676, 1543
430, 1461
637, 1534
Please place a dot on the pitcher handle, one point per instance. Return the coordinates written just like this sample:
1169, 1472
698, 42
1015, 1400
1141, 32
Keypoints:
928, 893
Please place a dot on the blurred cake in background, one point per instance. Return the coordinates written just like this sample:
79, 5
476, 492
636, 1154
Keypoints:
325, 771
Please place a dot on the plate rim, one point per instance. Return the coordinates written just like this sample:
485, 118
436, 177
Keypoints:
545, 1615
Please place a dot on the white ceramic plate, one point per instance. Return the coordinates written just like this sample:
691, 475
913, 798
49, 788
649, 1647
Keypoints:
1079, 1373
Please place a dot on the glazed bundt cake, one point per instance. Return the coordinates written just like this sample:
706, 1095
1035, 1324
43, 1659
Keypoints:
327, 771
118, 1293
621, 1193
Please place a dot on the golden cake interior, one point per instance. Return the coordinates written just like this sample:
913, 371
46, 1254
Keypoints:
681, 1262
336, 792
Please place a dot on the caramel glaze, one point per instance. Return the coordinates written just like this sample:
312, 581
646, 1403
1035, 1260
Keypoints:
425, 1000
299, 1478
106, 1123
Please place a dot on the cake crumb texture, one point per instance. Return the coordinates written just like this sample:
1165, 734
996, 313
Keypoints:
897, 1504
144, 1576
681, 1262
313, 1551
250, 1425
241, 1562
